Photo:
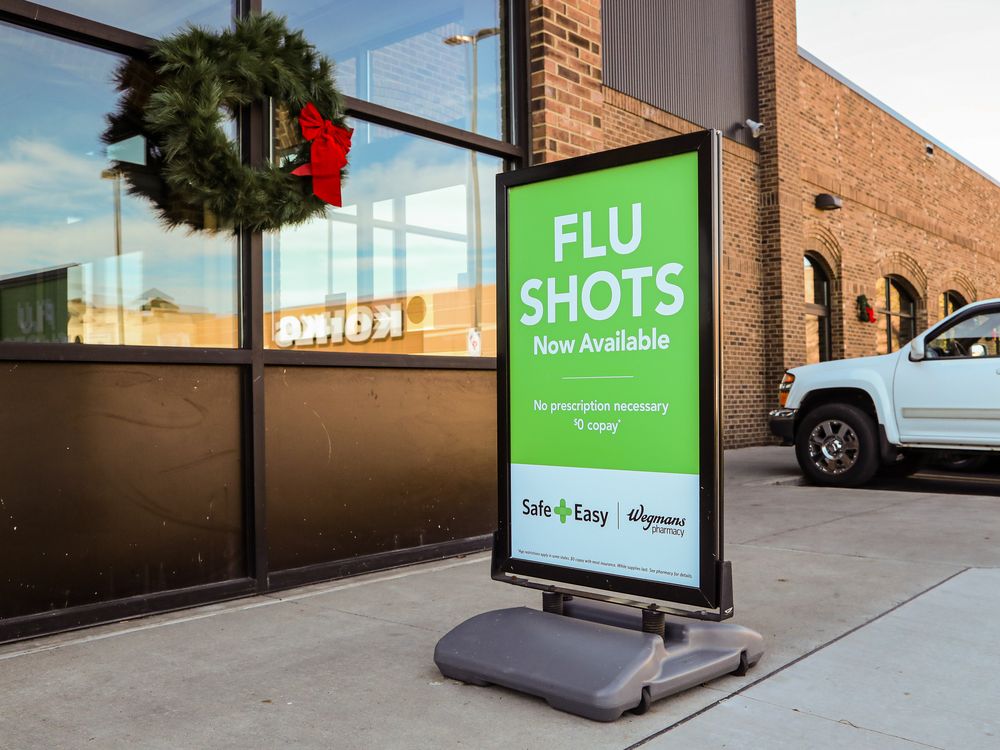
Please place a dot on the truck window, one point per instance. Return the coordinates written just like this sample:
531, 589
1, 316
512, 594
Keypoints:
978, 336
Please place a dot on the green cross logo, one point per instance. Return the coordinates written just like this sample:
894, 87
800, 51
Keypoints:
563, 510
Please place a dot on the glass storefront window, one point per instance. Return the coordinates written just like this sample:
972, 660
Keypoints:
417, 57
408, 265
83, 261
150, 17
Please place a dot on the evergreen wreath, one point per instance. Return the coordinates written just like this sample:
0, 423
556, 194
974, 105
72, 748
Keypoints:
179, 99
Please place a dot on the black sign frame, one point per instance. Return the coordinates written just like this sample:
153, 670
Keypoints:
714, 589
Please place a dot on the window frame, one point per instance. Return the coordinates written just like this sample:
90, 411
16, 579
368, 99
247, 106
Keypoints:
885, 309
951, 297
822, 312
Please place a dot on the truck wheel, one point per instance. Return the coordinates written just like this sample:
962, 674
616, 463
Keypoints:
836, 445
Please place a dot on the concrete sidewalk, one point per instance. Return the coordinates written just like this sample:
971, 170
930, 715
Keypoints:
820, 573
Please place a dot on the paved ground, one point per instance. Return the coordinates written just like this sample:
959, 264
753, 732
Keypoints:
877, 605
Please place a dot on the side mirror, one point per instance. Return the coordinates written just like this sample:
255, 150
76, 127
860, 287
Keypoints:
917, 352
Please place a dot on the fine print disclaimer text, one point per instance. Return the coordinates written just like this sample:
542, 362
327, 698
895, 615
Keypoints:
621, 568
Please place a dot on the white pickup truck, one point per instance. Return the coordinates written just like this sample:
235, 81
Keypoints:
941, 392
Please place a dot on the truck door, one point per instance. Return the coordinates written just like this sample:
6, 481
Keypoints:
952, 396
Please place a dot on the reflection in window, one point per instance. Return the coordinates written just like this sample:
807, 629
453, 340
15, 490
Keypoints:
82, 260
150, 17
950, 302
817, 311
417, 57
978, 336
408, 265
898, 310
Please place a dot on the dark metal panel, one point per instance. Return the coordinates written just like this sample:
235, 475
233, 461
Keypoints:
32, 352
697, 60
256, 145
16, 628
298, 357
366, 461
518, 101
406, 122
286, 579
73, 27
116, 480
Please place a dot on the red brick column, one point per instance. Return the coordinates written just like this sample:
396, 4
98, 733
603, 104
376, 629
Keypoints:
781, 220
566, 98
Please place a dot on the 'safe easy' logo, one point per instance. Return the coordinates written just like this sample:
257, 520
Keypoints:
564, 512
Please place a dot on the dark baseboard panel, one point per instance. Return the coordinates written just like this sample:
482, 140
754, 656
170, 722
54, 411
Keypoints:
73, 618
100, 613
286, 579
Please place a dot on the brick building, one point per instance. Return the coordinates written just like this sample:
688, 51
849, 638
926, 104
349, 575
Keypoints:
912, 213
192, 416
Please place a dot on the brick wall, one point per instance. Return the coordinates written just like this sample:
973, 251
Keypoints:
930, 220
565, 85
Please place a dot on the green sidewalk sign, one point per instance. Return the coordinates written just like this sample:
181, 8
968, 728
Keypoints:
609, 372
33, 306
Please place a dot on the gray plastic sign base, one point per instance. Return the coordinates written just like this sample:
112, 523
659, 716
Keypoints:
593, 660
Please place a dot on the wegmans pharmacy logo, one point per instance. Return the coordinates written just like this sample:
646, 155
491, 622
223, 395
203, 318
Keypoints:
656, 524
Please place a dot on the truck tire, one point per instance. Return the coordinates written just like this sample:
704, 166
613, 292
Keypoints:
836, 445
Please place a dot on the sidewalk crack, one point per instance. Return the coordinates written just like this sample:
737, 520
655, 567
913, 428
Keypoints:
829, 520
845, 722
856, 556
385, 620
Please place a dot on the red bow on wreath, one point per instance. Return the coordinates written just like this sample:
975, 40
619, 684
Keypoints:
328, 154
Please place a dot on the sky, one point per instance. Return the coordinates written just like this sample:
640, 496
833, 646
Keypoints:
933, 62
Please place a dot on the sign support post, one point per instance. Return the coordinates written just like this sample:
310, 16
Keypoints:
609, 434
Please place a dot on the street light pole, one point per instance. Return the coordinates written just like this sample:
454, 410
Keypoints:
116, 176
473, 40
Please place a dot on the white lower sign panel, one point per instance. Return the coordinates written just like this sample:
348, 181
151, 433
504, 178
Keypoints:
626, 523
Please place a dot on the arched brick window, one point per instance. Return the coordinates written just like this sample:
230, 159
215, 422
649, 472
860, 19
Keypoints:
897, 308
816, 309
950, 302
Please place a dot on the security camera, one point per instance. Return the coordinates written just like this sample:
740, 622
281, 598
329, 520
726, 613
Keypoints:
753, 126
